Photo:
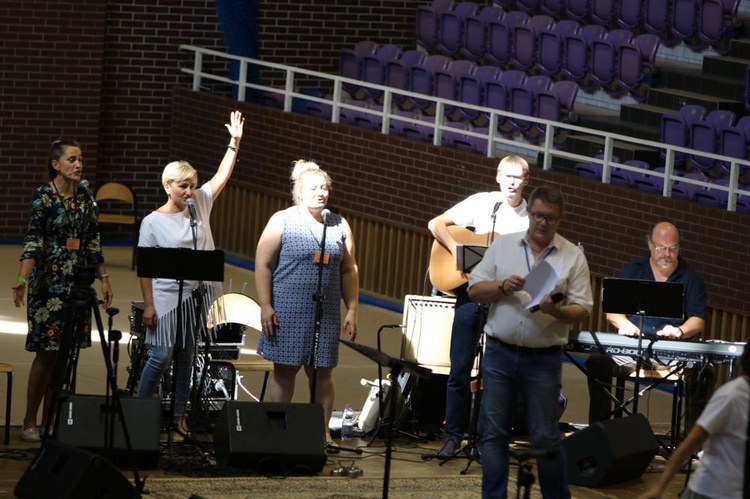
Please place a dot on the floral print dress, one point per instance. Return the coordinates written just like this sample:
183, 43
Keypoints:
54, 221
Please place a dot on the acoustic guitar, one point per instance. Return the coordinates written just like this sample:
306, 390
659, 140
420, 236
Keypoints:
443, 273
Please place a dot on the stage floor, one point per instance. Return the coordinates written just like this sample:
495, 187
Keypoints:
189, 460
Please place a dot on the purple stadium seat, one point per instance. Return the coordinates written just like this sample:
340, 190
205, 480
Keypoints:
554, 8
528, 6
589, 170
522, 100
499, 49
555, 104
682, 190
620, 176
550, 47
476, 29
422, 78
656, 19
446, 83
747, 88
349, 116
397, 72
577, 55
685, 23
427, 23
712, 197
716, 23
674, 129
704, 136
451, 27
733, 141
650, 183
350, 63
604, 61
630, 15
374, 69
424, 130
471, 90
497, 92
505, 4
637, 64
524, 41
578, 10
603, 12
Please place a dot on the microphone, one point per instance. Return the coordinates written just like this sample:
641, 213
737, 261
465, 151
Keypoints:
84, 184
497, 206
325, 214
556, 298
191, 209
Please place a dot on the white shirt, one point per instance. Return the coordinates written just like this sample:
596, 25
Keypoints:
508, 318
722, 467
476, 211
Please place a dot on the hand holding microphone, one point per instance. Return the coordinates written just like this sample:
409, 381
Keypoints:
556, 298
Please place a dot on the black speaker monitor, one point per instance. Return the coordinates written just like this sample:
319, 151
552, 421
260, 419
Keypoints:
82, 421
610, 452
271, 437
64, 472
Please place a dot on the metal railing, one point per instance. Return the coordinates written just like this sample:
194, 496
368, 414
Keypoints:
334, 84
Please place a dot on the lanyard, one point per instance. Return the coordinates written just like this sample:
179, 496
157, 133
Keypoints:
543, 256
70, 218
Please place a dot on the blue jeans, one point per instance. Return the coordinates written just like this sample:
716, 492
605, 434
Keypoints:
537, 374
157, 365
464, 337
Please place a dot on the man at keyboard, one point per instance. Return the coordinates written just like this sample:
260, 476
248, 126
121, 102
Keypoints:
662, 264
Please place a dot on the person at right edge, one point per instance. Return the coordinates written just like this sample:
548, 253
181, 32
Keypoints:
476, 211
721, 432
664, 264
524, 350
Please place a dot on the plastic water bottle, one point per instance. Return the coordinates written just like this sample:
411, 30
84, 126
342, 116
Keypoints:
347, 423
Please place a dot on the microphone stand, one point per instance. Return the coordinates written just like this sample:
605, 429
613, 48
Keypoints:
318, 299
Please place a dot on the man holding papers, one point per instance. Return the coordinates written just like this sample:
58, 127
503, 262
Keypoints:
524, 349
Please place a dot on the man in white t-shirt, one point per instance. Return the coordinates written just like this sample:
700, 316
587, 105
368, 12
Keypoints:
487, 213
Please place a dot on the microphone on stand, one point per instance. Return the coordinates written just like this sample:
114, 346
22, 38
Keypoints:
325, 214
84, 184
497, 206
191, 209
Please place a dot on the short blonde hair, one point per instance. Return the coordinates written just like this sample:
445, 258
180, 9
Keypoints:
178, 171
300, 169
513, 160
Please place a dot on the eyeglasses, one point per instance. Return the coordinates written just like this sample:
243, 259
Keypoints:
663, 249
539, 218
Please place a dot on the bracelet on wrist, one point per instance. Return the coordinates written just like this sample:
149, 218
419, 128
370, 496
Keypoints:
682, 333
234, 148
21, 279
103, 277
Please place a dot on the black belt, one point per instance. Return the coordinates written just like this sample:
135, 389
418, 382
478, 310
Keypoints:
525, 350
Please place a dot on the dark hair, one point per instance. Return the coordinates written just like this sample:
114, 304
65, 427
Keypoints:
56, 150
745, 359
548, 195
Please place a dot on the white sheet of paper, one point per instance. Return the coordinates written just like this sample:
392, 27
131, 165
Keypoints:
540, 282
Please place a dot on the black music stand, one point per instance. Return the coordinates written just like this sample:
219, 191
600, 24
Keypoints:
397, 366
180, 264
642, 298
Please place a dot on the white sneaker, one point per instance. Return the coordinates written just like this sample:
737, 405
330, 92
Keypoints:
31, 435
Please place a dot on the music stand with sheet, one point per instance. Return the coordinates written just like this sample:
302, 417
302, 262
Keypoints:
181, 264
642, 298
